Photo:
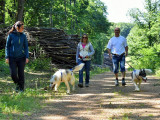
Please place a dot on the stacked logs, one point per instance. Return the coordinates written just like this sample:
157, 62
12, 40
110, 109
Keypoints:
3, 35
107, 61
54, 42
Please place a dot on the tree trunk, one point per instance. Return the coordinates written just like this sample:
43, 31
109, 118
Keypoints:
20, 10
2, 13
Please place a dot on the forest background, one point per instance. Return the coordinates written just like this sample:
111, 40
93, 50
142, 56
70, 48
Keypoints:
90, 16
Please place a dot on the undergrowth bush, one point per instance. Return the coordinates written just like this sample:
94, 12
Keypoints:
4, 68
147, 58
40, 63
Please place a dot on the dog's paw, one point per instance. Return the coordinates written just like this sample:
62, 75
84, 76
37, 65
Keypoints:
136, 90
68, 92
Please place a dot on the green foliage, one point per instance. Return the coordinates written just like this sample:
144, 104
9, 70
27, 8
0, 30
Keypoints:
75, 17
40, 63
3, 66
99, 42
143, 39
147, 58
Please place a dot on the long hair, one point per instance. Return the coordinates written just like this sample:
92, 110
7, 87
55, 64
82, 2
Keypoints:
86, 36
17, 24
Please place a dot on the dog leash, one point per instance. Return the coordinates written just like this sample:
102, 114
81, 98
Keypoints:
131, 66
133, 70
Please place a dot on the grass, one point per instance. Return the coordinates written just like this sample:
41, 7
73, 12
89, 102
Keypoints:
16, 105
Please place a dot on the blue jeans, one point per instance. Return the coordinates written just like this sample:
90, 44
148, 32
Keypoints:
118, 59
17, 71
87, 70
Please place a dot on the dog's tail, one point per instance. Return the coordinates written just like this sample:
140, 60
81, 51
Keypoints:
148, 70
78, 67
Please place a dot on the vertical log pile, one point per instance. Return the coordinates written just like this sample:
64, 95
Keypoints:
55, 43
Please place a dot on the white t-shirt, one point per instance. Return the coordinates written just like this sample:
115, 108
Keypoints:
117, 45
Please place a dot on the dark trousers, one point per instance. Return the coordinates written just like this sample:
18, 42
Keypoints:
17, 71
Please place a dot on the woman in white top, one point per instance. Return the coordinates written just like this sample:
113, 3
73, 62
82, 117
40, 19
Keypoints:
84, 52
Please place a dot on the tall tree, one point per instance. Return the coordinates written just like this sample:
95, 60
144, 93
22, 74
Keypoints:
145, 19
20, 10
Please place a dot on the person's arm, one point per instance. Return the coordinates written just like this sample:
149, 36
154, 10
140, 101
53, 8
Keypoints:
7, 48
26, 49
91, 50
126, 49
109, 49
77, 53
109, 52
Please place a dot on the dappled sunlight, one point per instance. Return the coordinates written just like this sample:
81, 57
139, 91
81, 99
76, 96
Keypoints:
53, 117
102, 100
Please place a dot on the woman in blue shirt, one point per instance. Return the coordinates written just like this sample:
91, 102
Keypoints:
16, 54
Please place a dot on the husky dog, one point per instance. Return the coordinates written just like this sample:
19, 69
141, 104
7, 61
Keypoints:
65, 75
138, 76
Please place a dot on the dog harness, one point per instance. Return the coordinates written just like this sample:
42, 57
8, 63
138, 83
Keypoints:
61, 76
136, 75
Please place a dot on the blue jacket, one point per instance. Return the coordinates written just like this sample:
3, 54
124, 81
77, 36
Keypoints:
16, 45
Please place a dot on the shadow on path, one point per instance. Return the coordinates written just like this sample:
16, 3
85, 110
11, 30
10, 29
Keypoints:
102, 101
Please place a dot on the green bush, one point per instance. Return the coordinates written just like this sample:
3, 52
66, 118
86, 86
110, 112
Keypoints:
147, 58
4, 68
41, 63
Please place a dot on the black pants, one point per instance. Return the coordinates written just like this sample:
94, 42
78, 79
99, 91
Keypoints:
17, 71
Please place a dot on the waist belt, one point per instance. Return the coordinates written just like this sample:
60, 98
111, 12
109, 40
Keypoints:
117, 54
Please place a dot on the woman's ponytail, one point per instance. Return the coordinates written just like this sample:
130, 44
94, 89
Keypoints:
17, 24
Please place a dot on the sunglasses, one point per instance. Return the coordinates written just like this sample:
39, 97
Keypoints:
85, 37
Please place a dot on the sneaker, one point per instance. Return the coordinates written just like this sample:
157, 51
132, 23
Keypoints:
87, 85
80, 85
116, 83
17, 89
123, 82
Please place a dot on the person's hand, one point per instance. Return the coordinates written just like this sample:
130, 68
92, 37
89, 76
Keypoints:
27, 60
7, 60
110, 56
87, 56
80, 57
126, 54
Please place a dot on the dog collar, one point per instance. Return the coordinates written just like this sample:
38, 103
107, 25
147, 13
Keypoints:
61, 76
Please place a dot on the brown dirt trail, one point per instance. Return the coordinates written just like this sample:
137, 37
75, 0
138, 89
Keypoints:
103, 101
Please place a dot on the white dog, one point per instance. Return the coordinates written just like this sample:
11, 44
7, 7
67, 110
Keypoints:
65, 75
138, 76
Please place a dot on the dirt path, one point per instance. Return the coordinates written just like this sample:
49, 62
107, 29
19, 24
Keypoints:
103, 101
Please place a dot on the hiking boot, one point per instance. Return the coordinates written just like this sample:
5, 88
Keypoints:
123, 82
116, 83
80, 85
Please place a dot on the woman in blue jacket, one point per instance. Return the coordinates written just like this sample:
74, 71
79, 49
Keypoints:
84, 53
16, 54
